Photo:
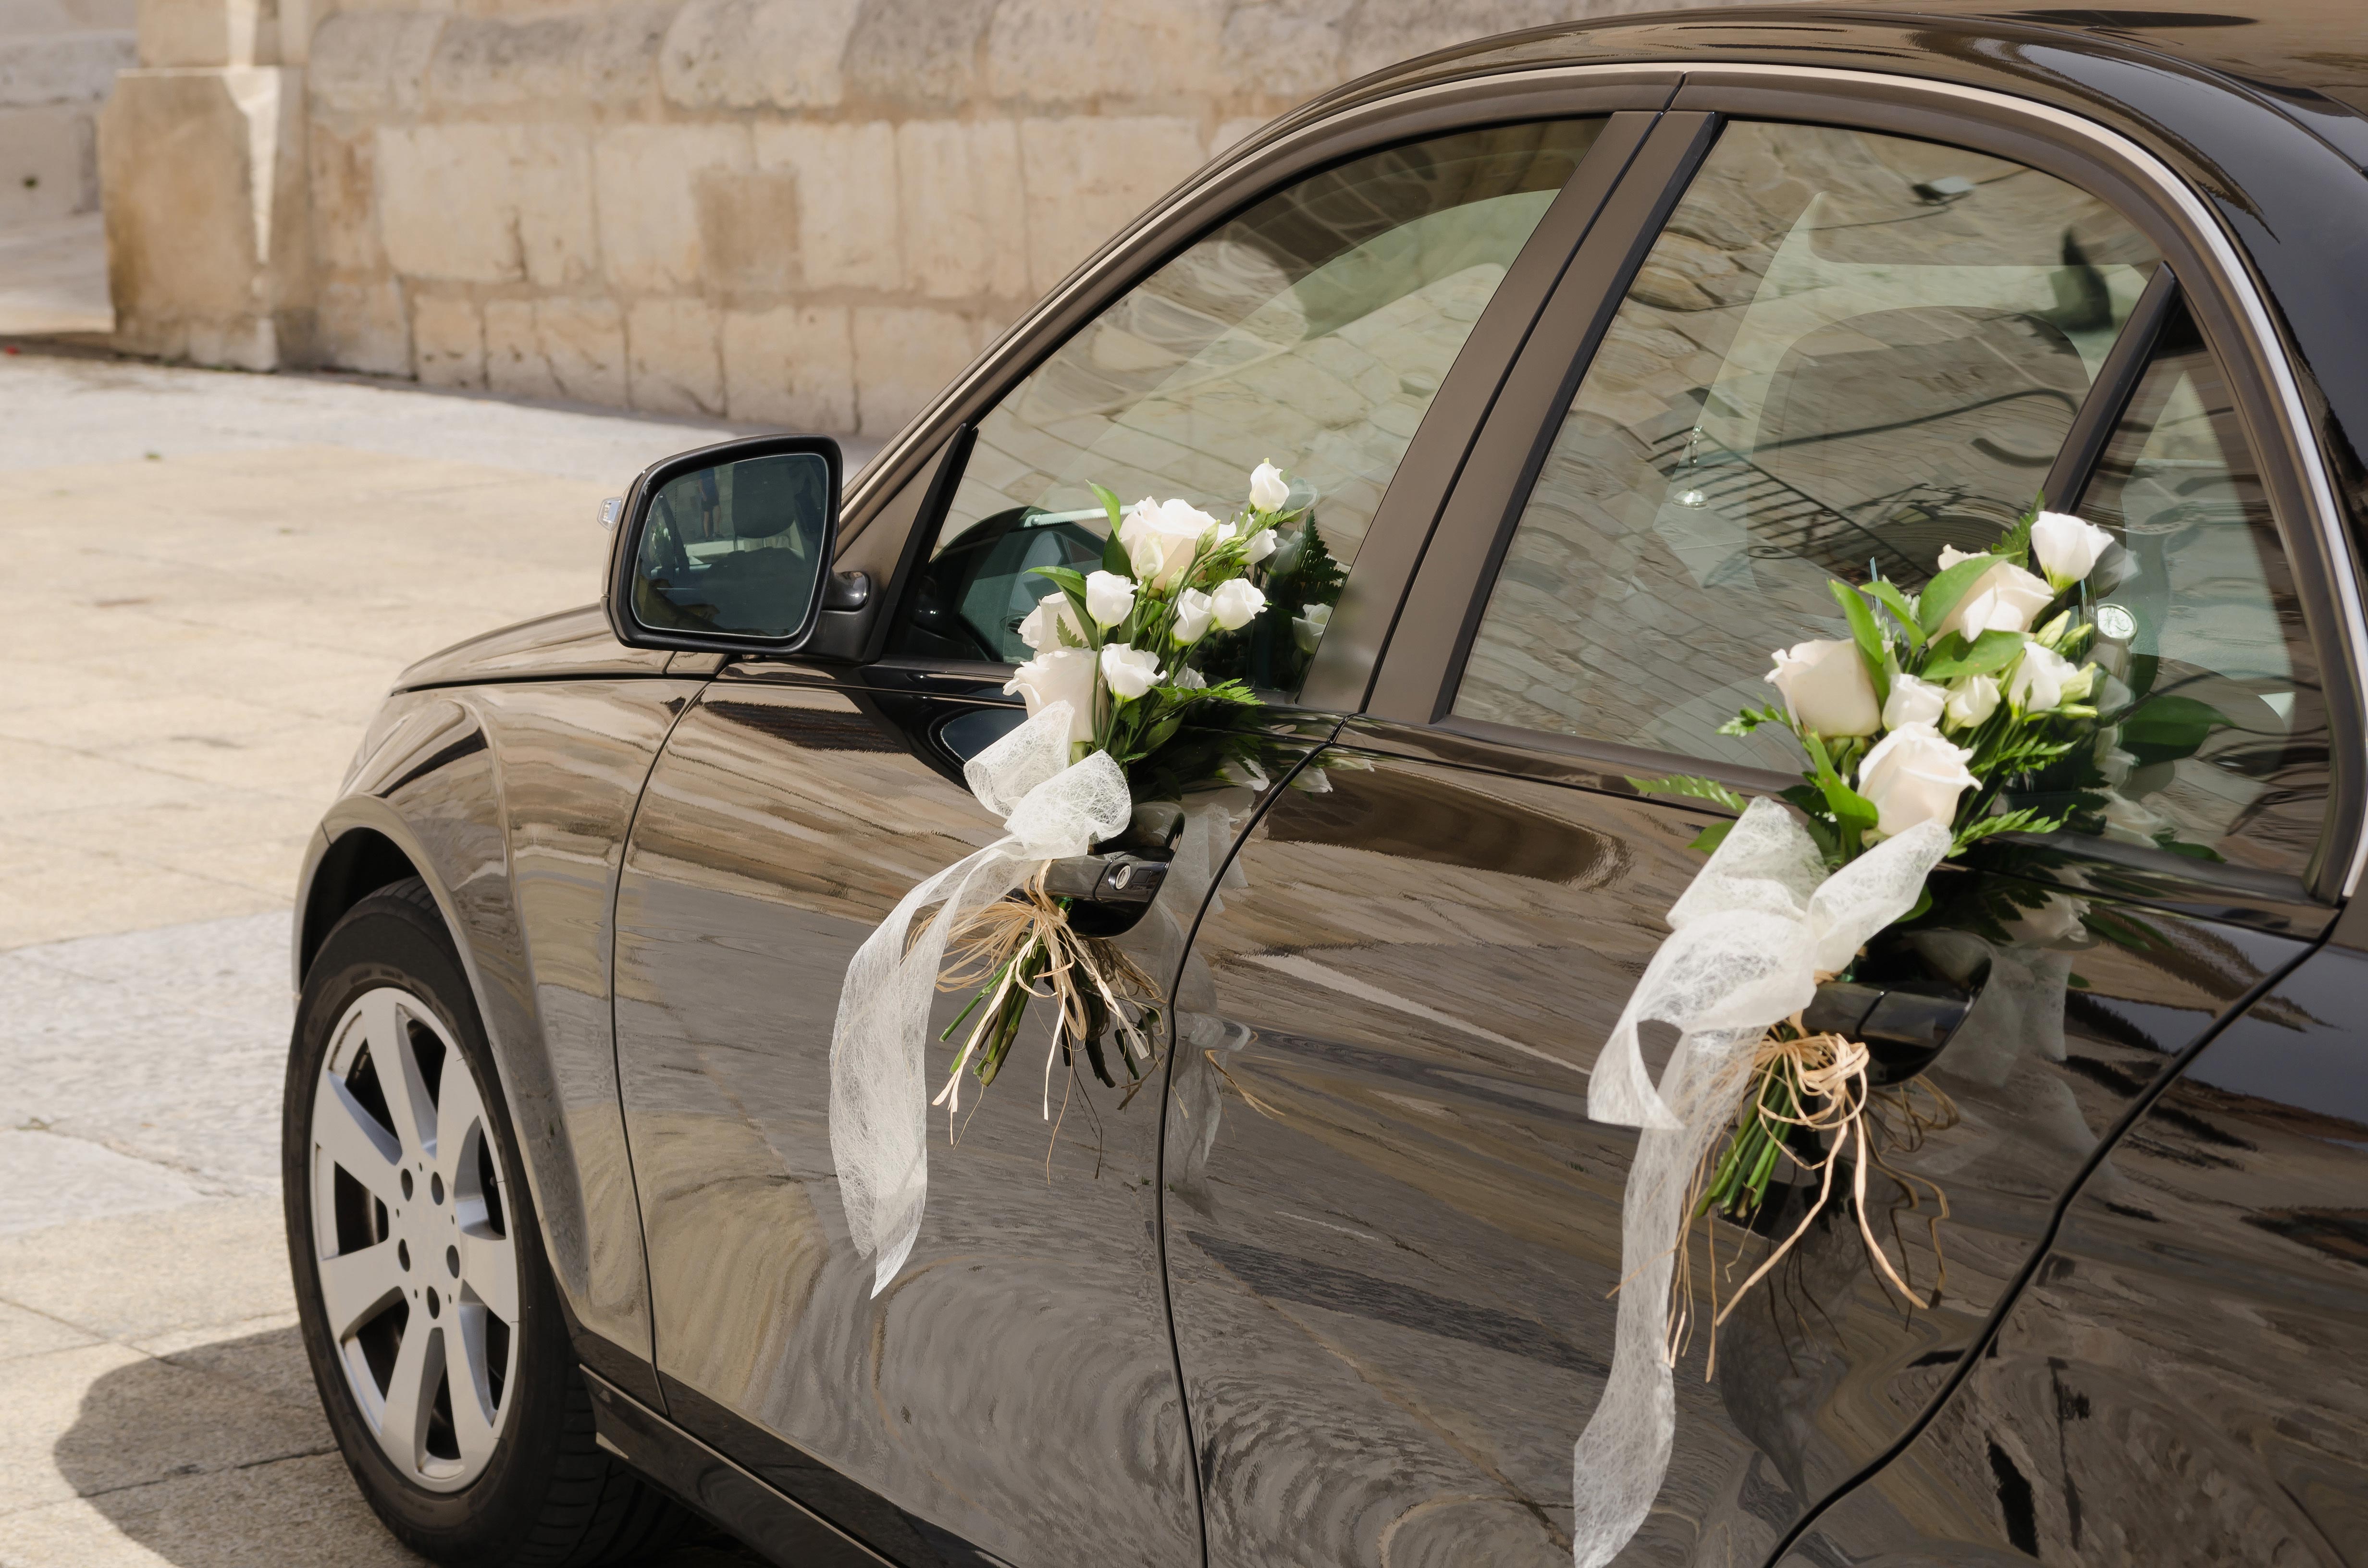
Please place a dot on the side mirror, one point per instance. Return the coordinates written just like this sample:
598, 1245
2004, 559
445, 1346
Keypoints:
728, 549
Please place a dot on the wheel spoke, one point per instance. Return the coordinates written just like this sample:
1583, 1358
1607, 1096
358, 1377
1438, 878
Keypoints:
411, 1390
399, 1076
355, 1285
473, 1404
489, 1269
350, 1136
458, 1109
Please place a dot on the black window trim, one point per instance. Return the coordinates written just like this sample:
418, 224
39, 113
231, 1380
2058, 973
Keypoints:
1415, 678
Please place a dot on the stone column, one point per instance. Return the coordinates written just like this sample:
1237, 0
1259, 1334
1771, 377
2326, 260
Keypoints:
202, 175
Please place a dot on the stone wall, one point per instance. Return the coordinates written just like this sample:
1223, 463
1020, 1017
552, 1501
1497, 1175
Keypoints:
802, 212
58, 57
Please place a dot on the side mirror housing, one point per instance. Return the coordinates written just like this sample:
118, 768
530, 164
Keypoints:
728, 549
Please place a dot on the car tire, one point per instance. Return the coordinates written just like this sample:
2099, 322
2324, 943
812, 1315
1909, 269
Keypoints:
528, 1485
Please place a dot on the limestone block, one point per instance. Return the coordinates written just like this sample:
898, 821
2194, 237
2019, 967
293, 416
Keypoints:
361, 324
583, 343
1088, 178
447, 341
847, 199
747, 232
372, 61
487, 62
344, 215
208, 234
1072, 51
903, 357
794, 367
671, 347
647, 177
48, 163
620, 51
208, 32
963, 208
569, 349
917, 53
486, 203
62, 68
1285, 48
757, 53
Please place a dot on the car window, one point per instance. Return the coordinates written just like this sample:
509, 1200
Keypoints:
1844, 349
2213, 740
1312, 331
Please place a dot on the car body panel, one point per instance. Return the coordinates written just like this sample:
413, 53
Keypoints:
1393, 1232
2190, 1340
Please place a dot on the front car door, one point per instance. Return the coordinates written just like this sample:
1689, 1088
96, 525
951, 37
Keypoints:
1012, 1396
1838, 326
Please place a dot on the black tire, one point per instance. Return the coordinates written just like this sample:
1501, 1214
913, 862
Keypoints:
548, 1496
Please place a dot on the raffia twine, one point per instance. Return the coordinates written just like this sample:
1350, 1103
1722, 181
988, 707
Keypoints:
1831, 1094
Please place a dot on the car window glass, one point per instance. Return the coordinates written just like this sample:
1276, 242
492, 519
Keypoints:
2213, 739
1845, 350
1312, 331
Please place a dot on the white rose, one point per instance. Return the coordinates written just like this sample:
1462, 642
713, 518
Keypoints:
1189, 680
1972, 699
1051, 611
2114, 764
1236, 603
2131, 823
1913, 702
1308, 626
1268, 491
2060, 919
1062, 675
1826, 688
2044, 679
1131, 672
1261, 546
1192, 615
1110, 599
2003, 599
1913, 775
2066, 546
1287, 551
1159, 538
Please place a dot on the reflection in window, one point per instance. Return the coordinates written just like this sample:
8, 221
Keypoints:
1845, 351
2214, 741
734, 548
1312, 331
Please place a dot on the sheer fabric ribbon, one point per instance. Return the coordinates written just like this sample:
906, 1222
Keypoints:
1748, 939
879, 1094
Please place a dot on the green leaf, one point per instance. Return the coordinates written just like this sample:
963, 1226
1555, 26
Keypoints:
2166, 729
1110, 503
1941, 594
1711, 837
1868, 636
1693, 787
1066, 578
1991, 652
1902, 607
1852, 812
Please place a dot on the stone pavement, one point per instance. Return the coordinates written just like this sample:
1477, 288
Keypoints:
215, 576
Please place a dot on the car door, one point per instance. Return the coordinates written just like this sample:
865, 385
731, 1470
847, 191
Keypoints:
1011, 1397
1392, 1231
2182, 1379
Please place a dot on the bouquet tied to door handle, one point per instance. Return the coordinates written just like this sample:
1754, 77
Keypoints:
1912, 727
1120, 736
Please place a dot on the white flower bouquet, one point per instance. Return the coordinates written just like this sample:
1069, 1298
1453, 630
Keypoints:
1913, 728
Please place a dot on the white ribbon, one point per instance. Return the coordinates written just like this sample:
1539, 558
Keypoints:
879, 1096
1748, 940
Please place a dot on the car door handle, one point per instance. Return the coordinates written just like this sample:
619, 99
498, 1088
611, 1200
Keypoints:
1904, 1024
1117, 880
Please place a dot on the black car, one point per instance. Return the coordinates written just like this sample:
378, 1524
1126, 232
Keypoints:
1600, 347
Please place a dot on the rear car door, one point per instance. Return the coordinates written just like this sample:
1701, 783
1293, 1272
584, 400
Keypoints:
1843, 329
1012, 1396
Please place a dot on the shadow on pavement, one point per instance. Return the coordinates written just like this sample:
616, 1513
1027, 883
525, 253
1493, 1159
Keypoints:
218, 1457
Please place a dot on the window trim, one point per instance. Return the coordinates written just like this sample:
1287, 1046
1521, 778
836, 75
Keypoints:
1415, 681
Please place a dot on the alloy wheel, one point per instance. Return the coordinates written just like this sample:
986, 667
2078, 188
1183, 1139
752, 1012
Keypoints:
419, 1271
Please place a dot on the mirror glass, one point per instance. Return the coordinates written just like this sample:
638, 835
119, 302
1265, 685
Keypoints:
736, 549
